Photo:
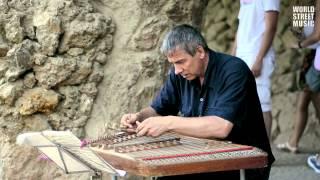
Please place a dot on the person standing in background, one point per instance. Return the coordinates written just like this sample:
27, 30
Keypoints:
257, 27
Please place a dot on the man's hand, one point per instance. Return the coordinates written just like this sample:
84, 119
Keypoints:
294, 45
257, 68
154, 126
128, 121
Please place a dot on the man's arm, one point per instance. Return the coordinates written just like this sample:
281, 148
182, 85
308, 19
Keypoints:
202, 127
234, 46
271, 19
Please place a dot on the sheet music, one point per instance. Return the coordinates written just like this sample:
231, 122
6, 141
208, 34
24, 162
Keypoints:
63, 148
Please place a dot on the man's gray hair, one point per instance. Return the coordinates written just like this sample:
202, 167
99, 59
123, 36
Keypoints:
183, 37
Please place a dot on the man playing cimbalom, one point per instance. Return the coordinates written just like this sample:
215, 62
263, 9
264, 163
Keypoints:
216, 96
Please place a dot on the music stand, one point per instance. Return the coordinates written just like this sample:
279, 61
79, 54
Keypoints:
63, 148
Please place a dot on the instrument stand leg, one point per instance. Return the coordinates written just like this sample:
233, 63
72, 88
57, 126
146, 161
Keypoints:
96, 176
242, 174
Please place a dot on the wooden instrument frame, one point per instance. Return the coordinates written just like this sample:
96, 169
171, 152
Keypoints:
142, 168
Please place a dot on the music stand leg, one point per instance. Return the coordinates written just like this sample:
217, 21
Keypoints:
114, 177
242, 174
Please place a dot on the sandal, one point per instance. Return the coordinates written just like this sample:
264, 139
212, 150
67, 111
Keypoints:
287, 147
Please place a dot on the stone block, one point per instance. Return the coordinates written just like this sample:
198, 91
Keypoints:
38, 100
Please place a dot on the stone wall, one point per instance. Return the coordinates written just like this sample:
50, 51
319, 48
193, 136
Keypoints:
53, 54
52, 58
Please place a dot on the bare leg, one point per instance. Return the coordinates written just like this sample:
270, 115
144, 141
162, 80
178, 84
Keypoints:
315, 97
316, 103
304, 99
267, 116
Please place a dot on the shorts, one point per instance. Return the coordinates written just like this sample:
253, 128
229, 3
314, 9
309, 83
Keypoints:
264, 93
264, 80
313, 79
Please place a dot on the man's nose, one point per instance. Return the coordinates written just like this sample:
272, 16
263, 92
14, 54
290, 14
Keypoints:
177, 70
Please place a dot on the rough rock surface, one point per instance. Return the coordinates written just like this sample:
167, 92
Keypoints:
51, 59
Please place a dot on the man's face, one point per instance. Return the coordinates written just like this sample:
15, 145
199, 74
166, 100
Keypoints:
189, 67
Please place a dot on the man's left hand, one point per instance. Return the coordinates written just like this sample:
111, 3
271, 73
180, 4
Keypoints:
153, 126
257, 68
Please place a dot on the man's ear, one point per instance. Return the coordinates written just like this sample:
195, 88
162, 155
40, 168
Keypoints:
202, 52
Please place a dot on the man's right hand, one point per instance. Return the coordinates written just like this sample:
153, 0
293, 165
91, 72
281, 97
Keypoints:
128, 121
